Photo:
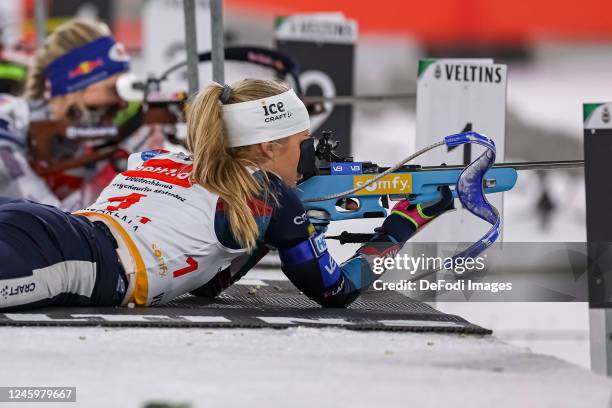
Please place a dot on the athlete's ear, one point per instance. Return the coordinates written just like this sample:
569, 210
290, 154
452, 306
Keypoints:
267, 149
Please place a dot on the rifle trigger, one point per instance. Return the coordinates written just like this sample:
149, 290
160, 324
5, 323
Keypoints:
384, 201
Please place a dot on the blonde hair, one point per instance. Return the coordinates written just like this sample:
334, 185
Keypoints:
222, 169
68, 36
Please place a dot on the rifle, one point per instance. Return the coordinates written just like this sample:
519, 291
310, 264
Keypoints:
56, 146
331, 182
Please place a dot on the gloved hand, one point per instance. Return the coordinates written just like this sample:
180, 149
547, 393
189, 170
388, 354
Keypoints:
422, 213
319, 219
406, 218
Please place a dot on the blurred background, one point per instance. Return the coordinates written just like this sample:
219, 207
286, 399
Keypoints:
559, 55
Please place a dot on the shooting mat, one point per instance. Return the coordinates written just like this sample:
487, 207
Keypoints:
262, 299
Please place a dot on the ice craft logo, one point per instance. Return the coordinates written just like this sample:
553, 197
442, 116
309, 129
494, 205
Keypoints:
274, 111
165, 170
85, 68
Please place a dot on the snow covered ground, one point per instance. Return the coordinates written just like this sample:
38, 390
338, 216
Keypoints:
293, 367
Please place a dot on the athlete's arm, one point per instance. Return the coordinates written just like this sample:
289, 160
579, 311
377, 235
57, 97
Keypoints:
309, 265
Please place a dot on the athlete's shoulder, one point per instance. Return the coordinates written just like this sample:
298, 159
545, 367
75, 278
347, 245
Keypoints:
288, 224
280, 207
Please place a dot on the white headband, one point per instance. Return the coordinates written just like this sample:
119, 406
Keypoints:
264, 120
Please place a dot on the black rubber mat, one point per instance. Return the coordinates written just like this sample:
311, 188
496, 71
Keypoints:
262, 304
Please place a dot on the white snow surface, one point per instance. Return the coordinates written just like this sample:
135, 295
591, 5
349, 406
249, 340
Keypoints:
294, 367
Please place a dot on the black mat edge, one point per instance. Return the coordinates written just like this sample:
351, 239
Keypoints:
472, 329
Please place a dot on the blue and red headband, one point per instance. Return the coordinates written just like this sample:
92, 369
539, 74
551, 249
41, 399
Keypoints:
85, 65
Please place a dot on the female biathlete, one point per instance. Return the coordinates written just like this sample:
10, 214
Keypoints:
72, 79
173, 223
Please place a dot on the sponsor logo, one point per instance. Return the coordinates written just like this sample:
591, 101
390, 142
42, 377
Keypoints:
331, 266
330, 272
144, 220
486, 74
605, 115
123, 202
163, 268
335, 291
125, 219
389, 184
17, 289
85, 68
273, 108
149, 154
301, 28
318, 244
118, 53
300, 219
346, 168
274, 111
165, 170
105, 131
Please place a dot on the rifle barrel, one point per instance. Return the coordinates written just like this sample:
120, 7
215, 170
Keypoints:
542, 165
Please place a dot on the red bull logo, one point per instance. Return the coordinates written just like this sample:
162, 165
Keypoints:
85, 68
